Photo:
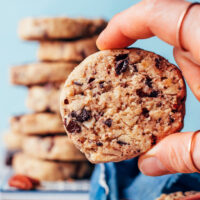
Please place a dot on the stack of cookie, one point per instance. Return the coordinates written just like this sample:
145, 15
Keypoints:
47, 153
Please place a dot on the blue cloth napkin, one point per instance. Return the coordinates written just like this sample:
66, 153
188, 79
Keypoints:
113, 181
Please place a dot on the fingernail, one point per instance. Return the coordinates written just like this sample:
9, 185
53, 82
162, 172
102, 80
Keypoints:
151, 166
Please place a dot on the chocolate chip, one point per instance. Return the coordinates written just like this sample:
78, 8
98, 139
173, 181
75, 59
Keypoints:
90, 80
135, 69
153, 94
73, 126
101, 84
158, 120
124, 85
9, 158
83, 54
97, 116
51, 144
159, 104
121, 57
121, 63
148, 81
157, 62
73, 114
121, 66
121, 142
145, 112
183, 99
66, 101
77, 83
163, 78
99, 144
153, 139
101, 113
17, 118
84, 115
141, 93
171, 120
108, 122
45, 34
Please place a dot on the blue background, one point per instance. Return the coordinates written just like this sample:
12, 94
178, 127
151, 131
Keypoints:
14, 51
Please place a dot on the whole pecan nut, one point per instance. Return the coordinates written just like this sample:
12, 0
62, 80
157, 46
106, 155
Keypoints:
23, 182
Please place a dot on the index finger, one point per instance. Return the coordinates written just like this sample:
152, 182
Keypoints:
149, 18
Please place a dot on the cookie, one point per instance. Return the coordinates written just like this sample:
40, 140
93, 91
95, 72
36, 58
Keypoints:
40, 73
59, 28
37, 124
49, 170
118, 103
58, 148
191, 195
13, 141
44, 98
67, 50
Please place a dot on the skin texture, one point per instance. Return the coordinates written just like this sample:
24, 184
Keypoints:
150, 18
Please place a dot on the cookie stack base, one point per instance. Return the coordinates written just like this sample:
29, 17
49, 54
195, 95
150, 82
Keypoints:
48, 170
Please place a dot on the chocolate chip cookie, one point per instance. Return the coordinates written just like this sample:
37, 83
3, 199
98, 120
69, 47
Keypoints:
44, 98
40, 73
58, 148
59, 28
67, 50
118, 103
50, 170
192, 195
37, 124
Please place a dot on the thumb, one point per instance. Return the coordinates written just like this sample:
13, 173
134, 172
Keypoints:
173, 155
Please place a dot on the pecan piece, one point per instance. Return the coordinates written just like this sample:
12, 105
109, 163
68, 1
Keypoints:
23, 182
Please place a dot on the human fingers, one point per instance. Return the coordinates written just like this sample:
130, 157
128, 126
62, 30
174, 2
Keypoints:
172, 155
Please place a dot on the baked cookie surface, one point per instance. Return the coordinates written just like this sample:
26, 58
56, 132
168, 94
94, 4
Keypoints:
191, 195
59, 28
118, 103
58, 148
44, 98
40, 73
67, 50
37, 124
50, 170
13, 141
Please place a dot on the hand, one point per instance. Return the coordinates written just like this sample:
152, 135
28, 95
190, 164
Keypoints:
159, 18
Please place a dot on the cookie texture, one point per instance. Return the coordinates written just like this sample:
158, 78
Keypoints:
43, 98
48, 170
118, 103
40, 73
13, 141
37, 124
191, 195
67, 50
59, 28
58, 148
